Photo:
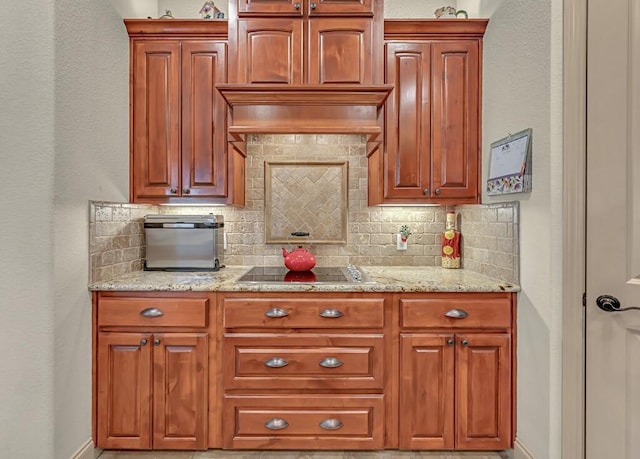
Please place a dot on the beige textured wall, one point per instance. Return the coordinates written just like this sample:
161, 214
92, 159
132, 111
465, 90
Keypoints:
27, 125
522, 89
490, 233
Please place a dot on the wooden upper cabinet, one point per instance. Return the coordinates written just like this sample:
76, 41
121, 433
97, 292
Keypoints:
178, 118
321, 42
432, 142
309, 7
204, 146
456, 112
340, 51
408, 121
270, 50
155, 119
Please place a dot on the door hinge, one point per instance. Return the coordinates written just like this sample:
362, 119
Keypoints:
584, 300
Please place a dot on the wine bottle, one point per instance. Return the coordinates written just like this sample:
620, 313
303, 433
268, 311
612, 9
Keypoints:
451, 243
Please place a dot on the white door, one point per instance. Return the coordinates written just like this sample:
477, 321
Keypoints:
613, 230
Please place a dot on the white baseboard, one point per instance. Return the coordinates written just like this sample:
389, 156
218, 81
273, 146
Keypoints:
520, 451
87, 451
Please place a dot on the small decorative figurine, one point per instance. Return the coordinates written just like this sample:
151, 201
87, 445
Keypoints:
210, 11
449, 12
167, 15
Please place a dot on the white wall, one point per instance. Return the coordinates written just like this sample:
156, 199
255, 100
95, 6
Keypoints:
522, 89
91, 162
26, 247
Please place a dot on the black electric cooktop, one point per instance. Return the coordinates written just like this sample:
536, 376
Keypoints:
318, 275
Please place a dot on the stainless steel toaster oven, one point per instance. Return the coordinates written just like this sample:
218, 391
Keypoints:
184, 242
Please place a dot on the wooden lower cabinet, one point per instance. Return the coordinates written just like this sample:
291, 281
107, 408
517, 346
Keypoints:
304, 370
310, 421
151, 388
455, 391
457, 368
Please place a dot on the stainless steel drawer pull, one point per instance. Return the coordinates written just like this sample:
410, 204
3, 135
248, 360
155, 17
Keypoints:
331, 424
457, 314
151, 312
276, 362
276, 312
276, 424
331, 362
331, 313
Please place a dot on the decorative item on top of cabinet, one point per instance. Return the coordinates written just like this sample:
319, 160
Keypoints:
178, 119
305, 42
433, 116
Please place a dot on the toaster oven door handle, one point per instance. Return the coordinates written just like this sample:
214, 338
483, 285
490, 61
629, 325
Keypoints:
178, 225
151, 312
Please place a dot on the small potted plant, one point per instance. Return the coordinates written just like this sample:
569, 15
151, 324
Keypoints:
405, 232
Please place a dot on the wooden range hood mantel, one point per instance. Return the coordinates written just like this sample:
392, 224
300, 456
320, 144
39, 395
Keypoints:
304, 109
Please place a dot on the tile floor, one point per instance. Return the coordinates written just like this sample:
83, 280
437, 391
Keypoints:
223, 454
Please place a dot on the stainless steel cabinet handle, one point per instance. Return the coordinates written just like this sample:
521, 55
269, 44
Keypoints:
425, 191
156, 342
450, 342
186, 191
276, 312
151, 312
457, 314
276, 424
313, 6
464, 342
438, 191
331, 313
173, 191
143, 342
331, 424
296, 6
331, 362
276, 362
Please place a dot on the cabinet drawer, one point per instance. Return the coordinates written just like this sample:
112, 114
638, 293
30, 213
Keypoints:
154, 312
259, 361
455, 313
304, 422
303, 312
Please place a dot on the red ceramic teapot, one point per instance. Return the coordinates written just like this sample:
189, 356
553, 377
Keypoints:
299, 259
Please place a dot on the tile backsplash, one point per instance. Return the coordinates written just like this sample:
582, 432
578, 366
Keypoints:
489, 232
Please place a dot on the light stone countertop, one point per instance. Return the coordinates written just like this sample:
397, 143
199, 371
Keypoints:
387, 279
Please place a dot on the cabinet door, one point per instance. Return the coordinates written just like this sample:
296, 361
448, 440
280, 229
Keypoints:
340, 51
180, 384
340, 7
407, 160
483, 391
204, 143
124, 391
271, 7
456, 115
426, 391
270, 51
155, 120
